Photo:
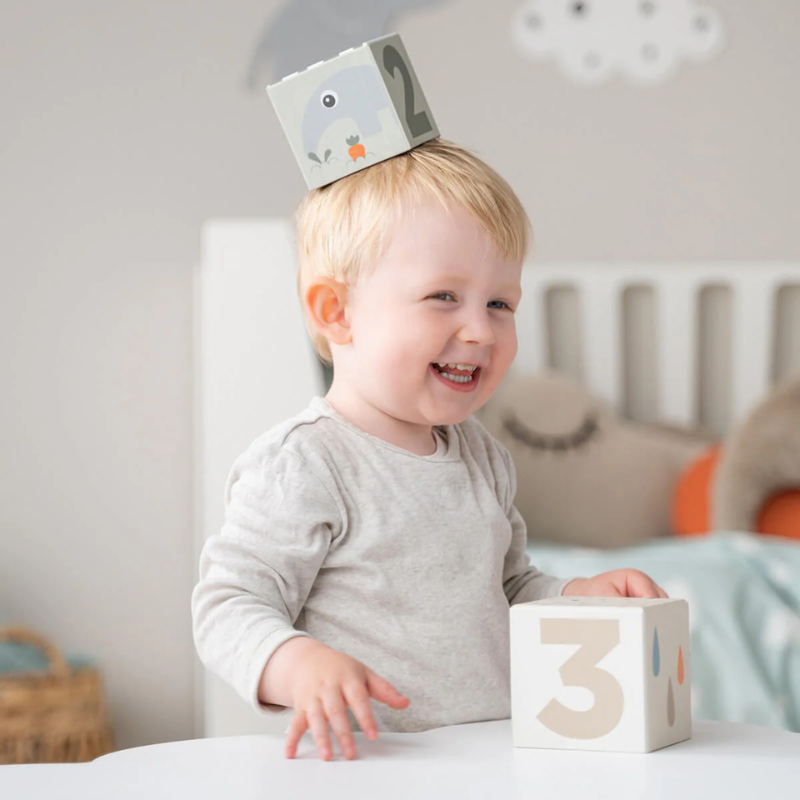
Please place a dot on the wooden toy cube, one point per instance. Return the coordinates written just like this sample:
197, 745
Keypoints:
600, 673
363, 106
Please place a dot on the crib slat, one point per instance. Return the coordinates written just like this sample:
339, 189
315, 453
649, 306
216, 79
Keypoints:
600, 335
676, 346
752, 324
531, 321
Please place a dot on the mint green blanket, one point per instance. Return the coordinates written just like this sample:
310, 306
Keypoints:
743, 592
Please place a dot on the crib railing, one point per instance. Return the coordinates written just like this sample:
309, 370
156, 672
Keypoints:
677, 309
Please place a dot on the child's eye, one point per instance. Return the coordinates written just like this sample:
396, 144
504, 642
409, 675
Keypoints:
443, 296
502, 304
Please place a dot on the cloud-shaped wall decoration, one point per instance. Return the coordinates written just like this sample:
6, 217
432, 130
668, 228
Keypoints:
643, 40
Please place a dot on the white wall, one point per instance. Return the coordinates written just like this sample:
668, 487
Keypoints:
123, 127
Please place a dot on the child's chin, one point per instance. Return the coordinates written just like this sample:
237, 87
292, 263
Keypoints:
452, 419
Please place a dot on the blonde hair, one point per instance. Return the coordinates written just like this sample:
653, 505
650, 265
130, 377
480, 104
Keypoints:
342, 228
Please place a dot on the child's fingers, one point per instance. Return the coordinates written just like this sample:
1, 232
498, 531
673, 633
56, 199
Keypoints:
318, 724
639, 585
336, 712
384, 692
357, 698
297, 728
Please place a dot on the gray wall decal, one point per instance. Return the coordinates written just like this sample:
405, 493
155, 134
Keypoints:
304, 32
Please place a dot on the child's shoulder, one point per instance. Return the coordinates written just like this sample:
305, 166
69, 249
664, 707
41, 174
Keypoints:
481, 445
292, 460
300, 434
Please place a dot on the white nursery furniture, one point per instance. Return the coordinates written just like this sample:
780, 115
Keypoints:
462, 762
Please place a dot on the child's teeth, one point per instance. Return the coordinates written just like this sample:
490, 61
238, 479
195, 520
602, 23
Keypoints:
456, 366
454, 378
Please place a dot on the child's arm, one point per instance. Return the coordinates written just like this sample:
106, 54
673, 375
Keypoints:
256, 574
522, 582
255, 577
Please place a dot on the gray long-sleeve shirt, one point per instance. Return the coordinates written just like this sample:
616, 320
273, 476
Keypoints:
407, 563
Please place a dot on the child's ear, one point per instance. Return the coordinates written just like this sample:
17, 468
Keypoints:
326, 301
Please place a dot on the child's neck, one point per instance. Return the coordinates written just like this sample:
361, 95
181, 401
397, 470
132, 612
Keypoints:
418, 439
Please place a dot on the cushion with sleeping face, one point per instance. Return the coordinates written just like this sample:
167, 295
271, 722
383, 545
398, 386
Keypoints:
584, 477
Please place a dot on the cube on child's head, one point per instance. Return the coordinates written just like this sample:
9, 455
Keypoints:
600, 673
363, 106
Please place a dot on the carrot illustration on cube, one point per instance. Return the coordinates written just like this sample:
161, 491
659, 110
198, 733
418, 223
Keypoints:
356, 150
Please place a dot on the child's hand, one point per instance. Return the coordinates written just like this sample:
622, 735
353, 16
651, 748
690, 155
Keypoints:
324, 682
617, 583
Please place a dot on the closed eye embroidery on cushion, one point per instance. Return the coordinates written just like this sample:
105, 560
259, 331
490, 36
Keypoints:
557, 443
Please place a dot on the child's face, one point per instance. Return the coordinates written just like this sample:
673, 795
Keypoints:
440, 293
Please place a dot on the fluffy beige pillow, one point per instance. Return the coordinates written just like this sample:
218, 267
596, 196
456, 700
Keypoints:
760, 457
583, 476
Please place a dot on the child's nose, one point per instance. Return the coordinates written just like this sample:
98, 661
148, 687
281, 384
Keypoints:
477, 329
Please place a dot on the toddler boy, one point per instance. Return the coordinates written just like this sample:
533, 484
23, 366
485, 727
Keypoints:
371, 548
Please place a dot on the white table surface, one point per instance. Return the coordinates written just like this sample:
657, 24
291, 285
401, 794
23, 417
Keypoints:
722, 760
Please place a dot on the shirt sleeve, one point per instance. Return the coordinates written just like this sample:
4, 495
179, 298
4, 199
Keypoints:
522, 582
256, 574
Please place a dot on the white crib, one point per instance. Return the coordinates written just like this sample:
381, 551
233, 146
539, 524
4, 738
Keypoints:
644, 337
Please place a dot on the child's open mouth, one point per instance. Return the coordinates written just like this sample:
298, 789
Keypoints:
461, 377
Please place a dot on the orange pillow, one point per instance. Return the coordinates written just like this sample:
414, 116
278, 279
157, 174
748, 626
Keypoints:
691, 504
780, 515
691, 507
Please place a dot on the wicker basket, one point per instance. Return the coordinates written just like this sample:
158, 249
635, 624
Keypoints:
58, 715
